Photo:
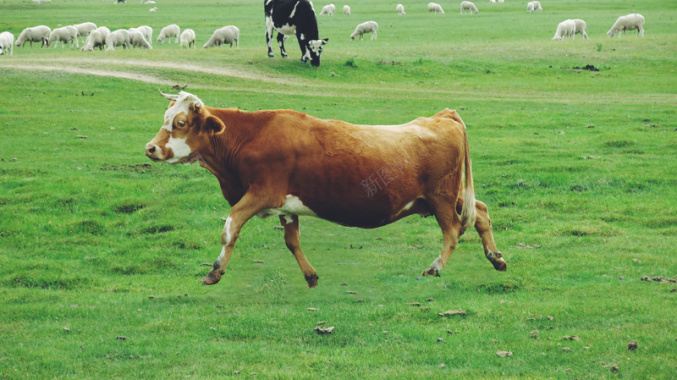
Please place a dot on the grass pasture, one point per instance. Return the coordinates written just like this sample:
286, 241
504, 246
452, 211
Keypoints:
578, 169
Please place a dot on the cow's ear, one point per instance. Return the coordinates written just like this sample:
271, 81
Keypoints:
213, 125
324, 41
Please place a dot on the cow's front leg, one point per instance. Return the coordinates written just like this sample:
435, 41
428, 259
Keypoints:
292, 237
280, 41
269, 36
246, 208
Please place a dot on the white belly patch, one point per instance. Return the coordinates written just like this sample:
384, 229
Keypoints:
292, 206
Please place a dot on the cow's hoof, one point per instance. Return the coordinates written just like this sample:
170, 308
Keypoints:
211, 278
271, 56
312, 280
500, 265
431, 272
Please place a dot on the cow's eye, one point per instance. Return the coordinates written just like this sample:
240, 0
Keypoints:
181, 123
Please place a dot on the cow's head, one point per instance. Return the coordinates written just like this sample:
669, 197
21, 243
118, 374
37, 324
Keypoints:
313, 51
186, 130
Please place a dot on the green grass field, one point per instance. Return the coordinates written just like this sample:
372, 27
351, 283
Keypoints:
578, 168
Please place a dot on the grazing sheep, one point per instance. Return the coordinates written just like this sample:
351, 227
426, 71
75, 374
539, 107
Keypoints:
400, 9
492, 1
96, 39
147, 2
627, 22
467, 5
147, 32
346, 10
172, 30
435, 8
84, 29
226, 35
35, 34
119, 37
500, 1
64, 34
365, 27
154, 9
580, 27
566, 28
188, 38
6, 43
530, 7
137, 39
328, 10
537, 6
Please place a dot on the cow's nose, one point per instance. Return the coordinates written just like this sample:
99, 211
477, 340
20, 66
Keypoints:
151, 149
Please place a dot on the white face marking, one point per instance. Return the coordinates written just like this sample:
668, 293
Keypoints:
182, 105
179, 147
302, 37
229, 234
292, 206
316, 46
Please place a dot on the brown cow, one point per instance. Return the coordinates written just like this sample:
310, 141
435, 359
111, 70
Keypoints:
287, 163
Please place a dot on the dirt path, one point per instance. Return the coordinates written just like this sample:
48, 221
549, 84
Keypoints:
286, 85
79, 66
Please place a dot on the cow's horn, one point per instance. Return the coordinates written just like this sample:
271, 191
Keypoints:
170, 97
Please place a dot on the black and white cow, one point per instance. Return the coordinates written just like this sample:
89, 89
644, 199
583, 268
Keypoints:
294, 17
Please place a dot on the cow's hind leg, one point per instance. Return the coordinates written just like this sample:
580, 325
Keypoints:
451, 226
280, 41
483, 227
291, 238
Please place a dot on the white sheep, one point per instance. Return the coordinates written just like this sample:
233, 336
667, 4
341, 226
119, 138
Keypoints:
346, 10
119, 37
467, 5
580, 27
172, 30
188, 38
147, 2
400, 9
34, 34
96, 39
328, 10
534, 6
365, 27
84, 29
6, 43
492, 1
627, 22
137, 39
64, 34
566, 28
154, 9
435, 8
226, 35
147, 32
42, 1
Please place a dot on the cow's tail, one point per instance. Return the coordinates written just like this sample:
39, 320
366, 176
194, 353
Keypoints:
468, 213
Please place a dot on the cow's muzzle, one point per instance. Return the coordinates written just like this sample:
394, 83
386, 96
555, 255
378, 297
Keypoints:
153, 152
